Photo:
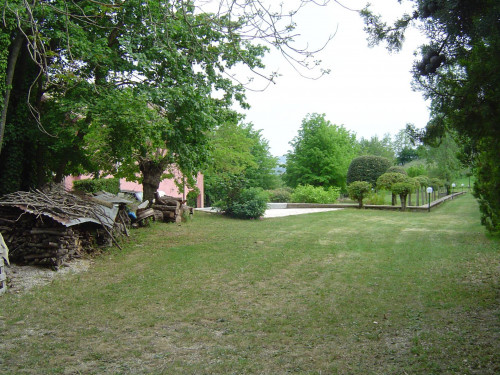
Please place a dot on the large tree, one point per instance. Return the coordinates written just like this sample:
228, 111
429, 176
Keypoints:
377, 147
321, 154
239, 158
89, 60
459, 71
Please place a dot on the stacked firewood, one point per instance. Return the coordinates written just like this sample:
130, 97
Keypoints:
172, 209
43, 241
38, 226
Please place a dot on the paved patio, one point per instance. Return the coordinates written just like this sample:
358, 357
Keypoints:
280, 212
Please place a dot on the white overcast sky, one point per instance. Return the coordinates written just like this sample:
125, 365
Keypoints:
368, 90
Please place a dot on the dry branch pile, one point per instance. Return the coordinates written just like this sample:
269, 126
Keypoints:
57, 203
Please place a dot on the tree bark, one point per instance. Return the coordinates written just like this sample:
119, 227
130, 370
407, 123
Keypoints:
403, 201
11, 66
151, 171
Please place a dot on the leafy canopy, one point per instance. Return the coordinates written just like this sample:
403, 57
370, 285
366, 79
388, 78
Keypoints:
459, 72
367, 168
237, 153
358, 190
321, 153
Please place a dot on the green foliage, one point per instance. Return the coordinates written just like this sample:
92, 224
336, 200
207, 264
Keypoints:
487, 188
251, 203
238, 150
262, 172
416, 170
403, 188
436, 183
280, 195
367, 168
111, 185
131, 88
314, 194
423, 181
321, 154
358, 190
27, 159
377, 147
406, 155
459, 72
192, 197
375, 198
387, 180
397, 169
442, 159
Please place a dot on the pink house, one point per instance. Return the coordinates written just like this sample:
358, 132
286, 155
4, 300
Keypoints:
167, 186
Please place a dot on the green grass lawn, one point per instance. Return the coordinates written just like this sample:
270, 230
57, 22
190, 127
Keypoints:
342, 292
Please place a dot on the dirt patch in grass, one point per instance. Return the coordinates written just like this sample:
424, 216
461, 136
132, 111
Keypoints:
21, 278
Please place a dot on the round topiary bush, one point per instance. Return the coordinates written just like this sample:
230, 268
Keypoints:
403, 189
358, 190
387, 180
367, 168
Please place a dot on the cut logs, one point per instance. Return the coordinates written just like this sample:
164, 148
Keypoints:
172, 209
51, 227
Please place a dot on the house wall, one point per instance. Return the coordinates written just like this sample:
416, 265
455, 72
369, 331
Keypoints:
167, 186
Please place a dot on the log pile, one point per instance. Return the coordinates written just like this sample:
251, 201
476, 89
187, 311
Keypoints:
171, 209
50, 228
4, 258
44, 241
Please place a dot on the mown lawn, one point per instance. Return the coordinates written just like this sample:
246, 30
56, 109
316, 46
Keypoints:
343, 292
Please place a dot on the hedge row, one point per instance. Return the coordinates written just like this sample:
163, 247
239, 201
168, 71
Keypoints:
111, 185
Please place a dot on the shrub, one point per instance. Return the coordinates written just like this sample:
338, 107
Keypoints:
403, 189
375, 198
424, 181
315, 194
111, 185
358, 191
367, 168
250, 204
416, 170
397, 169
387, 180
280, 195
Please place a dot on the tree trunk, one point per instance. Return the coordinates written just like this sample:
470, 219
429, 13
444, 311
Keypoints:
418, 196
360, 202
151, 171
11, 66
393, 199
402, 197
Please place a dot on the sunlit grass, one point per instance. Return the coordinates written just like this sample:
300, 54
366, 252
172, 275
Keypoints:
343, 292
